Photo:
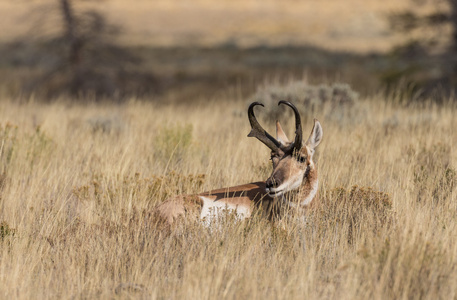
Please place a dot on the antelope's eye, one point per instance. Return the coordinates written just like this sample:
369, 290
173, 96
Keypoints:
302, 159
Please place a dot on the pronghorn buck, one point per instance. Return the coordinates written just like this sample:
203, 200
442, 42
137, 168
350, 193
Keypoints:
293, 182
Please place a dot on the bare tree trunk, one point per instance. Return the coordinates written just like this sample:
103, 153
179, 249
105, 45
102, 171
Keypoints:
453, 50
75, 44
453, 20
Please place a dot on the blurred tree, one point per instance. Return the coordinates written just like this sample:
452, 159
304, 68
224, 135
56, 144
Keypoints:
82, 58
75, 44
433, 48
444, 15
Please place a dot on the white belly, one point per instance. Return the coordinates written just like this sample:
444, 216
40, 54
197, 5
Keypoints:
213, 210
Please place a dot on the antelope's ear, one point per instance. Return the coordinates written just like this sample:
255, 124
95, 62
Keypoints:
316, 135
280, 135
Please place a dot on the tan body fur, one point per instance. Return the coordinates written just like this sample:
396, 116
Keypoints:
293, 183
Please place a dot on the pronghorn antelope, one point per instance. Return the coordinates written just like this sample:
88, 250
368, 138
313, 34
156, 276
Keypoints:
294, 173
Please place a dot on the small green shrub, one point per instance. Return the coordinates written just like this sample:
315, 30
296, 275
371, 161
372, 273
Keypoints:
6, 230
172, 143
107, 125
40, 145
8, 144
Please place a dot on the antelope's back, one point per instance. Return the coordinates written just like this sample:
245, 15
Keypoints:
242, 199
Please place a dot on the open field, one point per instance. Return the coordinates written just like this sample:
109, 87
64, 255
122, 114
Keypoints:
79, 179
79, 182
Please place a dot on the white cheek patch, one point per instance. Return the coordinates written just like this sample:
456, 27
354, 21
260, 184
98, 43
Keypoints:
213, 210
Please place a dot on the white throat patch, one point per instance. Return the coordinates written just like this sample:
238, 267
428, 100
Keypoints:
312, 193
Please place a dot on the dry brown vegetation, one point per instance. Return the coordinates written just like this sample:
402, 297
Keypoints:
79, 183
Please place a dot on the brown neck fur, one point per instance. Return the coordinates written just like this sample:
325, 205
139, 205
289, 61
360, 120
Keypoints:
306, 188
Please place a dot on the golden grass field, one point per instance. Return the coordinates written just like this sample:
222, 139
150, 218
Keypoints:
79, 183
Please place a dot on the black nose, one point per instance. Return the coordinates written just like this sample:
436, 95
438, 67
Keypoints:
269, 183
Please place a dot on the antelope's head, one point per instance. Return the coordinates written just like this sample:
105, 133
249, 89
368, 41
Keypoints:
292, 160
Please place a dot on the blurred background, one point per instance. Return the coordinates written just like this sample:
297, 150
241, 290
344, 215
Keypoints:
178, 50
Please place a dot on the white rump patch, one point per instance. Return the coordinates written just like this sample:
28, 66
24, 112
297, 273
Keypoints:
213, 210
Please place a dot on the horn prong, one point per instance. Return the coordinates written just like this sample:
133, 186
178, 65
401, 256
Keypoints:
258, 132
297, 144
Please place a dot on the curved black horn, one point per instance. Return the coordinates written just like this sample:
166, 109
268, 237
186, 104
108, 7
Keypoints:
298, 130
260, 133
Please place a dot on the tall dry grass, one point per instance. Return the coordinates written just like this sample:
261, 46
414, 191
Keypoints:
79, 182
